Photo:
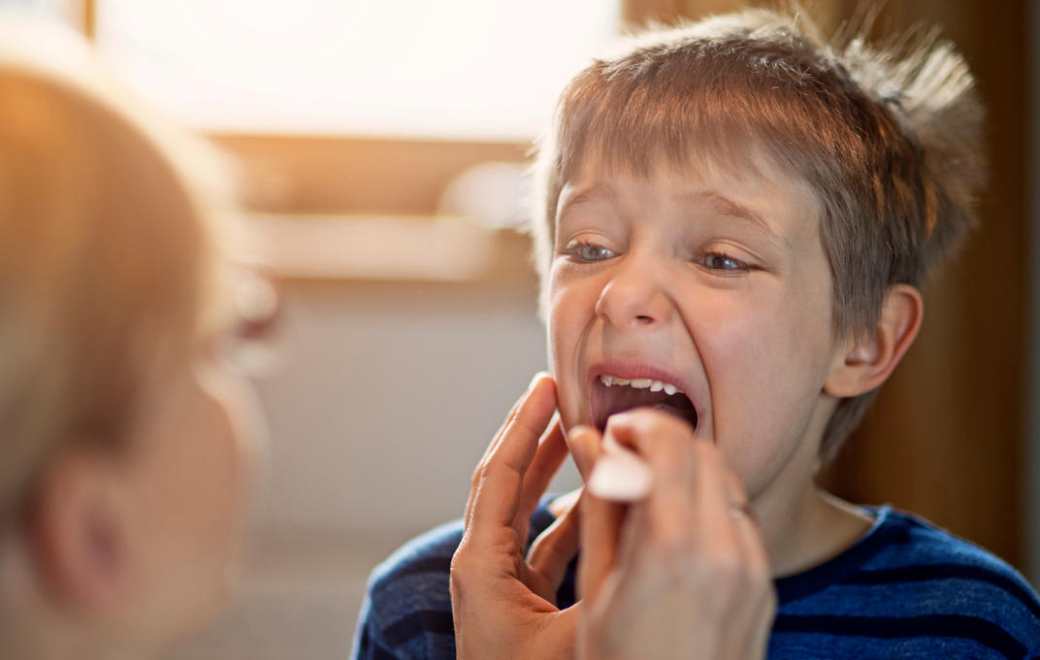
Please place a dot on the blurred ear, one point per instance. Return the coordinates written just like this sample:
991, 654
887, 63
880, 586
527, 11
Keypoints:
869, 358
80, 534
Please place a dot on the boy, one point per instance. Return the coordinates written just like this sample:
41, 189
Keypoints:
735, 222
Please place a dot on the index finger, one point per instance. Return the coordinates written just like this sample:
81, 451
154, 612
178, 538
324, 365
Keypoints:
693, 488
664, 441
536, 382
551, 452
495, 498
601, 520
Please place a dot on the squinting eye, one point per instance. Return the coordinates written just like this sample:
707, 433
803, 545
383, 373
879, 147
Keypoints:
717, 261
589, 252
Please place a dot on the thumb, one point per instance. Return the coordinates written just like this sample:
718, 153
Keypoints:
585, 448
554, 549
601, 520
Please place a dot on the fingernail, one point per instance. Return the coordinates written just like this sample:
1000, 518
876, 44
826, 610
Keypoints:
537, 377
583, 441
577, 438
583, 435
580, 429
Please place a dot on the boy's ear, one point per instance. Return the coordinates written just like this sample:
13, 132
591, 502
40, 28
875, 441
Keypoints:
80, 534
869, 358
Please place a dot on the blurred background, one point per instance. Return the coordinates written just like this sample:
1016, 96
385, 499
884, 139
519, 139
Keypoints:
388, 142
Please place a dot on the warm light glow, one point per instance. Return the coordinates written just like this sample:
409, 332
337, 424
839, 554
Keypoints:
472, 69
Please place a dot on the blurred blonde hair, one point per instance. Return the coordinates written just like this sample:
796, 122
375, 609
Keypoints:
110, 256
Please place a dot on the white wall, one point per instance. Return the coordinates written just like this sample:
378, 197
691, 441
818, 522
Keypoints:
386, 398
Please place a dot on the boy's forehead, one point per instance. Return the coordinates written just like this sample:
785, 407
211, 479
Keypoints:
752, 184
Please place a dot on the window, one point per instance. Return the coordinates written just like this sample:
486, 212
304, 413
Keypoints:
365, 110
458, 69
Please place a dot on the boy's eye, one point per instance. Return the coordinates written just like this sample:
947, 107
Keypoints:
716, 261
588, 252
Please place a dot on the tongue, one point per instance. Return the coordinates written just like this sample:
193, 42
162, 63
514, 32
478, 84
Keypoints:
614, 400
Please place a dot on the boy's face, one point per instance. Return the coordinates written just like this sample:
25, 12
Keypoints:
715, 284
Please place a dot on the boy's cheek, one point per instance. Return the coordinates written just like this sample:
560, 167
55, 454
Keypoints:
569, 401
564, 338
760, 421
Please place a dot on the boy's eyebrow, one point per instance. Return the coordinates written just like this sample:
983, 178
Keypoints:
585, 196
726, 205
733, 209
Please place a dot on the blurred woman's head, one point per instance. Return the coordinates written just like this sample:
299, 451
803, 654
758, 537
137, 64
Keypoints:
123, 439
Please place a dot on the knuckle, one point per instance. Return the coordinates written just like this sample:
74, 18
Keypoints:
759, 578
461, 567
457, 584
458, 561
618, 421
499, 470
673, 542
728, 569
727, 572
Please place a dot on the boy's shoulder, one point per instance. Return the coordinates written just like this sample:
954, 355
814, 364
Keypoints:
907, 587
407, 608
915, 551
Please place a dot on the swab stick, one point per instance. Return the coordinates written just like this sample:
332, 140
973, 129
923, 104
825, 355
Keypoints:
620, 474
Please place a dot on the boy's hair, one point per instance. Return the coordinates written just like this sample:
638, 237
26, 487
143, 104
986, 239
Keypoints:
888, 145
109, 257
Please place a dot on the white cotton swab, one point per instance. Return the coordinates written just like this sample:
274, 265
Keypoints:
620, 474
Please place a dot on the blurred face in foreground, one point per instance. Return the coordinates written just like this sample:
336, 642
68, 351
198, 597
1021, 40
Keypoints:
188, 480
136, 546
126, 439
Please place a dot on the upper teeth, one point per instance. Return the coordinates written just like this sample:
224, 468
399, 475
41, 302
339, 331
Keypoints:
639, 383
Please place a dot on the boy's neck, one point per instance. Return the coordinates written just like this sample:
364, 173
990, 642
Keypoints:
809, 530
819, 527
803, 526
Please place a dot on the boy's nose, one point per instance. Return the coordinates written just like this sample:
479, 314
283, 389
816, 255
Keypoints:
634, 298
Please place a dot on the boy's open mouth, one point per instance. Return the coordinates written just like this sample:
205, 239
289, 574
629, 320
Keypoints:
612, 394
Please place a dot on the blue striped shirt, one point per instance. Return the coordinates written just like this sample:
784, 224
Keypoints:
905, 590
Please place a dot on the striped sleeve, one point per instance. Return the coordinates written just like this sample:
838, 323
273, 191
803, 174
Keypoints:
368, 641
407, 610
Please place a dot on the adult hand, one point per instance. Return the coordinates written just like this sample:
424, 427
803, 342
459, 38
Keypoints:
503, 599
682, 573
